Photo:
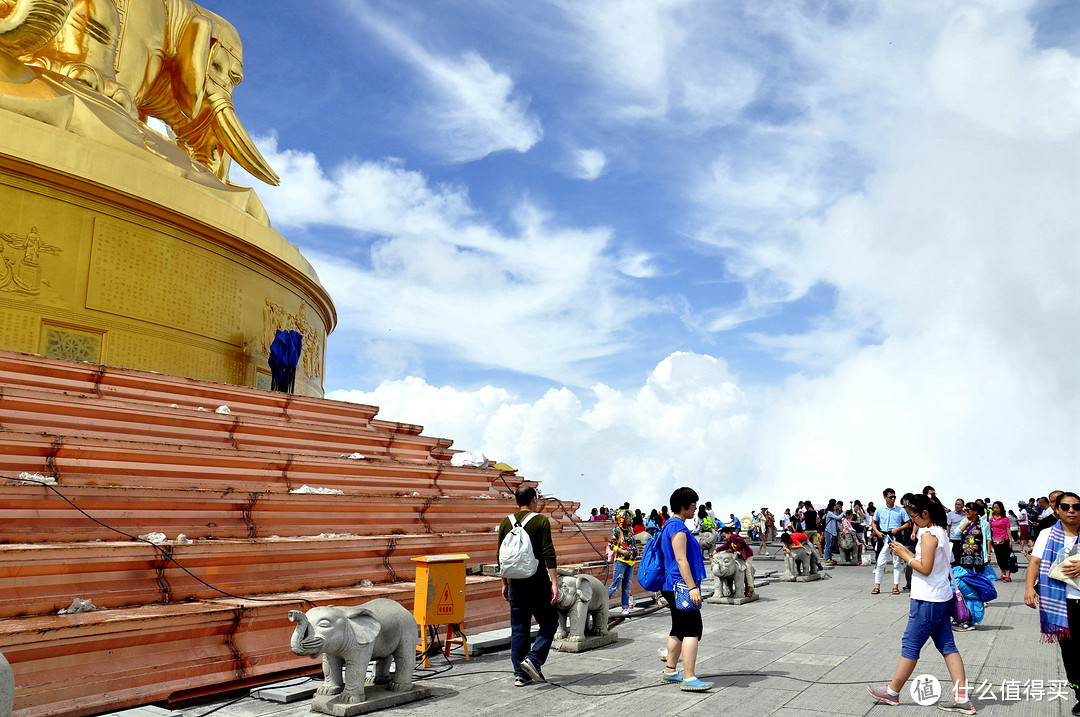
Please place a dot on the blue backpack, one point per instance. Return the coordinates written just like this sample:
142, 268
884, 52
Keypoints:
650, 571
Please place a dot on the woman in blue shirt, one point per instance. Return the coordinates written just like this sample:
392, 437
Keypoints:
683, 562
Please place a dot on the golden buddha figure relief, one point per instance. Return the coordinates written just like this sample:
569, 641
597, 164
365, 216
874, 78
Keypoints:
20, 262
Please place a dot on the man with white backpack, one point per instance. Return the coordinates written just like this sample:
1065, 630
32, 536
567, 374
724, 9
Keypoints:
527, 564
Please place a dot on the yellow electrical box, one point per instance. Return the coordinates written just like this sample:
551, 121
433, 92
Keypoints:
440, 589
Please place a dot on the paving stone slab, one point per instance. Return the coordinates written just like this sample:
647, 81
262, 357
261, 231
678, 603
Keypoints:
792, 641
287, 692
145, 711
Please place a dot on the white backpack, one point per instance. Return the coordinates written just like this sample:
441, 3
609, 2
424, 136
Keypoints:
516, 559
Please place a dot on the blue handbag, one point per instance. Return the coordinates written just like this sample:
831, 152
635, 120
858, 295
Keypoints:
682, 598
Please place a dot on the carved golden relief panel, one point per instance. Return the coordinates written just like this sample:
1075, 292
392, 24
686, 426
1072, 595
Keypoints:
137, 274
71, 343
21, 258
18, 330
165, 356
276, 318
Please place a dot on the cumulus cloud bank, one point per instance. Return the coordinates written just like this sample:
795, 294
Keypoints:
927, 177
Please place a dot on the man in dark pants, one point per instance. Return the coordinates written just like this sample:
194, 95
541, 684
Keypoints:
531, 597
907, 538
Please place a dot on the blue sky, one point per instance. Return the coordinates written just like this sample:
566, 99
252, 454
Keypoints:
771, 250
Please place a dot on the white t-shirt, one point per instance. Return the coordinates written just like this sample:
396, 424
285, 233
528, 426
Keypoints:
1040, 548
934, 587
1046, 513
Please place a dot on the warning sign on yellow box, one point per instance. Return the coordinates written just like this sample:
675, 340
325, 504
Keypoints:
440, 589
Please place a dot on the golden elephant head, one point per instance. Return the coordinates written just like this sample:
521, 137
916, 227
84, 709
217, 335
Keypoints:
169, 59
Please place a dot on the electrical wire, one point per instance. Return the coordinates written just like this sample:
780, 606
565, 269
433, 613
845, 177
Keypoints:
436, 642
639, 688
570, 517
241, 698
164, 553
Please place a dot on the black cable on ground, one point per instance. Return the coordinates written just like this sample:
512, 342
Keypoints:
656, 684
167, 555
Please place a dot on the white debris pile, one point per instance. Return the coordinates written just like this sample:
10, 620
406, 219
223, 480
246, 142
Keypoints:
200, 408
183, 540
308, 490
30, 478
366, 584
222, 409
78, 605
470, 458
354, 456
336, 535
155, 538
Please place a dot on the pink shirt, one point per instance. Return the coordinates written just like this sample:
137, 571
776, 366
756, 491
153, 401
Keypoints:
1000, 529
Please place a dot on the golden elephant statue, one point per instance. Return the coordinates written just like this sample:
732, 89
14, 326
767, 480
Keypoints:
169, 59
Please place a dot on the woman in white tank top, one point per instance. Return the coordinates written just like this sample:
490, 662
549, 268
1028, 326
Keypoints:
931, 594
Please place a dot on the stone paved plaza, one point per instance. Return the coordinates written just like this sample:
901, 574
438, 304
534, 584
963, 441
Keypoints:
796, 640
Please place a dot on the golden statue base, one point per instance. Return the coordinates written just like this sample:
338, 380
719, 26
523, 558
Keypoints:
116, 248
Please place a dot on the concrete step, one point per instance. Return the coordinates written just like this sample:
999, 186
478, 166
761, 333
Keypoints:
58, 375
87, 663
82, 416
31, 513
98, 461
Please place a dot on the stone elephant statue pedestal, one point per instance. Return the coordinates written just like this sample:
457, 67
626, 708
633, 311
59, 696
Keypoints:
734, 580
348, 639
849, 550
583, 614
802, 565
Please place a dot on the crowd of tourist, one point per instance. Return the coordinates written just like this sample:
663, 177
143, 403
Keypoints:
987, 525
947, 555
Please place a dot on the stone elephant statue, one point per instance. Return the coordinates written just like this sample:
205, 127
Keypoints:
581, 597
802, 562
849, 550
707, 539
348, 638
732, 576
7, 687
169, 59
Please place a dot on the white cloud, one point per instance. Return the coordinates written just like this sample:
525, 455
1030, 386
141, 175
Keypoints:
900, 414
650, 59
540, 300
639, 265
589, 164
472, 109
685, 425
930, 180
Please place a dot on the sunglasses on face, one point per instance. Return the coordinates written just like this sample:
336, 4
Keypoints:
1069, 506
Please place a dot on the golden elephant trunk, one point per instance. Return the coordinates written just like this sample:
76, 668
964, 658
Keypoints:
234, 138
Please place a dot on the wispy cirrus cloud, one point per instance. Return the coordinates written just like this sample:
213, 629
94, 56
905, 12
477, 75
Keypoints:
470, 109
427, 269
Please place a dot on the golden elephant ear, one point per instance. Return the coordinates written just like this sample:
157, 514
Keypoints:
190, 66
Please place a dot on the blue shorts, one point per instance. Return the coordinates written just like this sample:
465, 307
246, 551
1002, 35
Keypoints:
927, 620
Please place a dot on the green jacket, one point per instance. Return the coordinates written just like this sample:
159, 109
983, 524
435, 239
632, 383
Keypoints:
539, 531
